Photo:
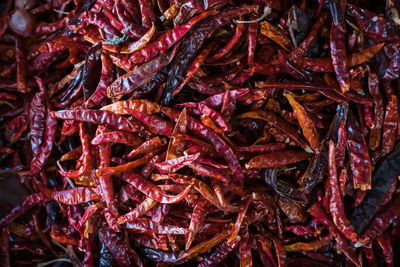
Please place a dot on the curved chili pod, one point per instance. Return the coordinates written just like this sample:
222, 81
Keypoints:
277, 159
309, 246
28, 203
146, 147
240, 27
132, 47
127, 166
195, 66
239, 219
216, 100
86, 157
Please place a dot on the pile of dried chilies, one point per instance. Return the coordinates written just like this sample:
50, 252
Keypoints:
202, 133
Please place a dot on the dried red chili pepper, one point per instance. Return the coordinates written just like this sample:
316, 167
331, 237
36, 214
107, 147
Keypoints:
252, 32
86, 158
153, 191
184, 176
75, 196
375, 26
209, 135
156, 124
141, 209
239, 219
276, 35
146, 147
336, 206
309, 131
127, 166
28, 203
324, 64
45, 149
359, 157
138, 77
171, 166
381, 180
311, 37
140, 105
339, 58
376, 131
97, 117
390, 125
99, 95
21, 66
197, 219
117, 137
277, 159
216, 101
168, 39
202, 109
240, 27
317, 211
195, 66
37, 121
309, 246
